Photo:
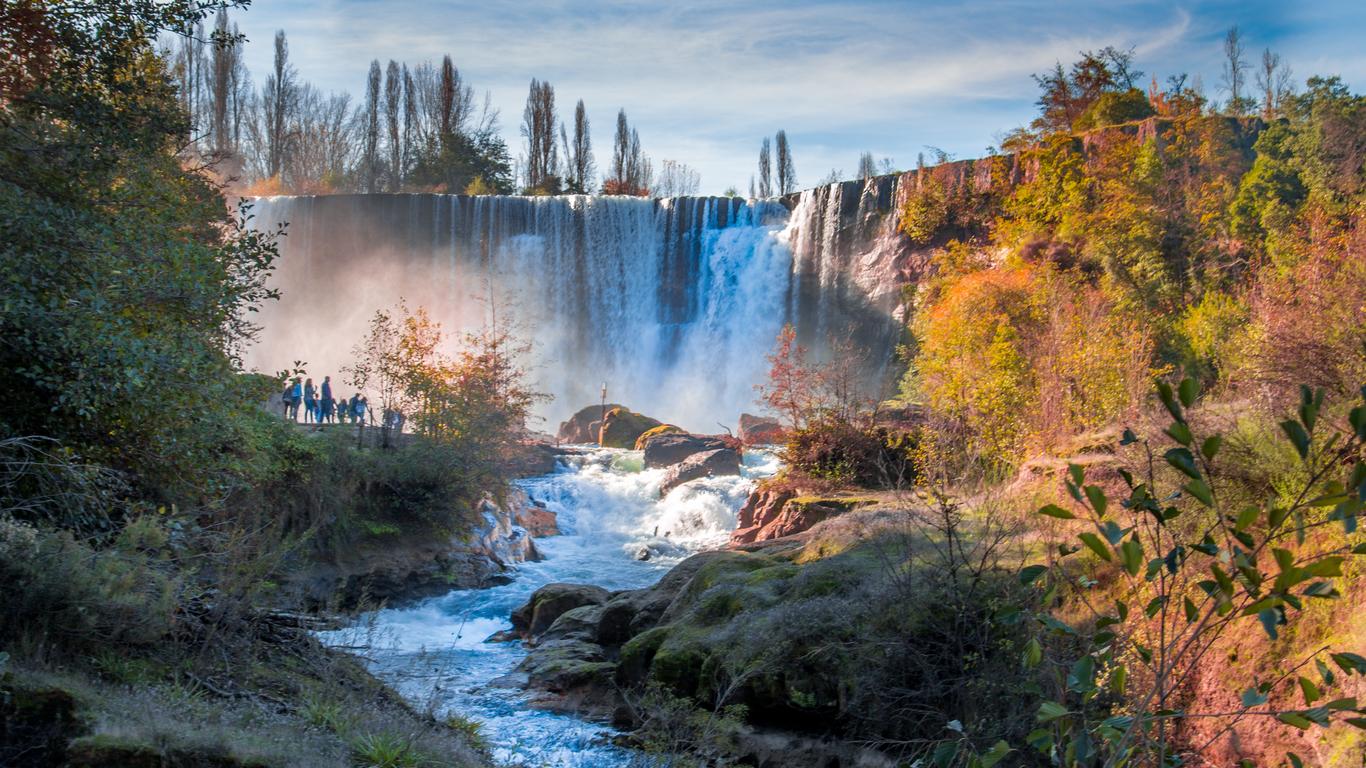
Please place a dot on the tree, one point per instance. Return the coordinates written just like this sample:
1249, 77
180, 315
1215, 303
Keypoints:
632, 173
370, 163
538, 128
279, 98
765, 170
393, 101
580, 153
128, 280
676, 180
867, 167
1234, 73
785, 171
1274, 81
1067, 94
225, 54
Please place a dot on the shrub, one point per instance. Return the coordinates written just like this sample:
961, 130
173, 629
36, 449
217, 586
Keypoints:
845, 453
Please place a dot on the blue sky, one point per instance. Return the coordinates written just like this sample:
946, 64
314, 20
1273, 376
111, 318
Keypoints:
705, 81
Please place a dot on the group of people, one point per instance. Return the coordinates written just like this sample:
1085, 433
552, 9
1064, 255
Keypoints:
319, 405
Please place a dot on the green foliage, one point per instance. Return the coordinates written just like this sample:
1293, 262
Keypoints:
1114, 108
385, 750
128, 283
1191, 568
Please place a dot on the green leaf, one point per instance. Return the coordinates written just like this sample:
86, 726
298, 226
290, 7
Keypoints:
1254, 698
1271, 619
1201, 491
1132, 552
1247, 517
1184, 461
1050, 711
1031, 573
1325, 568
1339, 705
1118, 676
994, 755
945, 753
1311, 692
1211, 446
1350, 662
1181, 433
1323, 590
1295, 761
1188, 390
1356, 722
1077, 473
1033, 653
1097, 498
1093, 543
1297, 720
1082, 676
1297, 435
1164, 393
1154, 605
1325, 673
1191, 612
1053, 510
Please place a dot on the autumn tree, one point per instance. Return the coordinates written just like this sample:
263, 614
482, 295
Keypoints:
393, 100
631, 172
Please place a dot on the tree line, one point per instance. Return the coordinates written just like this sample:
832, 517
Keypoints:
415, 128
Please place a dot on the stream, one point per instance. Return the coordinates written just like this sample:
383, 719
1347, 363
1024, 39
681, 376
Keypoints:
434, 652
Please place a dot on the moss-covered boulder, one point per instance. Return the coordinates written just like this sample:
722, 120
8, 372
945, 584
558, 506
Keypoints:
650, 434
550, 602
584, 425
622, 428
670, 448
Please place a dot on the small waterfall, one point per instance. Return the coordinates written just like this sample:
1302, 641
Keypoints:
673, 303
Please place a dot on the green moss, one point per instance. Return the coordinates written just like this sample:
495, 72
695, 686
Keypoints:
662, 429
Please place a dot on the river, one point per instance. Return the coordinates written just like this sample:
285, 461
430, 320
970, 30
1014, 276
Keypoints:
434, 652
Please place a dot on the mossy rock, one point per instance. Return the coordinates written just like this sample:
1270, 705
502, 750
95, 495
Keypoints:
561, 665
678, 663
622, 428
662, 429
633, 664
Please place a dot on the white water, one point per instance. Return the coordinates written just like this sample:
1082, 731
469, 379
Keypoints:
608, 509
672, 303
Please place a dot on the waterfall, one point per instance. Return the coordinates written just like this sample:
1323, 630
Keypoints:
672, 303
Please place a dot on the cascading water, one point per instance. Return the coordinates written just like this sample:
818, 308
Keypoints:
435, 654
672, 303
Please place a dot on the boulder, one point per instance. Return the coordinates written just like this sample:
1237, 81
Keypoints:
583, 426
666, 450
623, 427
537, 519
650, 434
760, 430
549, 603
713, 463
772, 514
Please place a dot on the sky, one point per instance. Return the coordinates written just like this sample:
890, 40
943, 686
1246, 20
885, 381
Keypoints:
705, 81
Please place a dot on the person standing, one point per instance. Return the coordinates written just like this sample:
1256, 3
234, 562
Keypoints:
296, 396
310, 402
328, 404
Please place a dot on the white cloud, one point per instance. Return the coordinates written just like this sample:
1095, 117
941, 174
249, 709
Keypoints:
704, 81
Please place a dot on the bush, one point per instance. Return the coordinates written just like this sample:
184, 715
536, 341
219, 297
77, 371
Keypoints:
845, 453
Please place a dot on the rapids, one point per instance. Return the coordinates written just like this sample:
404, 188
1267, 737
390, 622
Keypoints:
434, 652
